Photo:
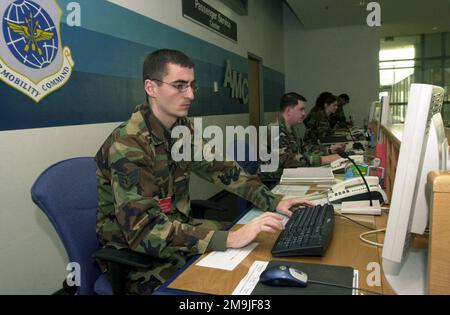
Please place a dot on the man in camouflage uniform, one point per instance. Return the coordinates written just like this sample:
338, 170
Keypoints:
338, 120
293, 152
143, 193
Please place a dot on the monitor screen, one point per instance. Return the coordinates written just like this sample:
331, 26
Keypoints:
386, 114
424, 148
372, 111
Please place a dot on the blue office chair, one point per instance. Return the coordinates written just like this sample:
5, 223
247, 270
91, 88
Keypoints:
249, 162
67, 193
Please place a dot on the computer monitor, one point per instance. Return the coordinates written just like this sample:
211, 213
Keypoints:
386, 115
377, 113
372, 110
424, 148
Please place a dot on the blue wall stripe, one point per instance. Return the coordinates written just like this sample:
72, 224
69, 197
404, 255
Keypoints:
115, 102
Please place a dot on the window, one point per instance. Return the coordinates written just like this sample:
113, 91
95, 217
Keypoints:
433, 45
447, 44
415, 59
396, 65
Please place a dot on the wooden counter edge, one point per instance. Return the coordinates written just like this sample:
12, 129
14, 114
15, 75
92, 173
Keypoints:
439, 245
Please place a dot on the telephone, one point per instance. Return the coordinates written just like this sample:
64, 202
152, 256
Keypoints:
358, 135
354, 189
339, 166
356, 146
358, 132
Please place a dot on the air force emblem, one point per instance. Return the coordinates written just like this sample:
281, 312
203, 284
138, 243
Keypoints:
32, 58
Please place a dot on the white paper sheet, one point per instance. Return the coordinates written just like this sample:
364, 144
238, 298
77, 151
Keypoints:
249, 282
227, 260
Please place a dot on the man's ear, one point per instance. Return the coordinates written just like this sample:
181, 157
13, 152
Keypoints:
288, 109
149, 87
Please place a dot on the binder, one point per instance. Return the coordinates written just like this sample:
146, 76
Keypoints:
325, 273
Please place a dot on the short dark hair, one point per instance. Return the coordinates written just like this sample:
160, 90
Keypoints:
345, 97
290, 99
155, 65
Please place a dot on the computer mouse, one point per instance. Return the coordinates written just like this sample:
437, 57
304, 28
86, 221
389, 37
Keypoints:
358, 146
281, 275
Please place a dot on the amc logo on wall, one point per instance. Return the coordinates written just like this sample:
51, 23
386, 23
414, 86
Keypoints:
32, 58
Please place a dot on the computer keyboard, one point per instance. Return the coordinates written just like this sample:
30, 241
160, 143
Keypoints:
307, 233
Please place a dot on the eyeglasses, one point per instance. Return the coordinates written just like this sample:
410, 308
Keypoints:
182, 87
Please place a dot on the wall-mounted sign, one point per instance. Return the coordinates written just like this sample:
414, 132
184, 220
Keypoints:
33, 59
237, 82
200, 12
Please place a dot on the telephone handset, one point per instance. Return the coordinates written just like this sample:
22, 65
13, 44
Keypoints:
357, 132
354, 189
342, 163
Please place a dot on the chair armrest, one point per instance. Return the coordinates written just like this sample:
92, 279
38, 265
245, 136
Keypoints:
270, 183
124, 257
205, 204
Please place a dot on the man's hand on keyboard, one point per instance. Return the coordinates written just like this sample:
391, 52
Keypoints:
267, 222
284, 207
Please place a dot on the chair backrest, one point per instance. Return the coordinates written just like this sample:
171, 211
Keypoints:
67, 193
249, 152
246, 163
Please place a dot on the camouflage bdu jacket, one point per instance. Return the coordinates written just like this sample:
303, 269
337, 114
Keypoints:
318, 126
338, 120
292, 151
135, 171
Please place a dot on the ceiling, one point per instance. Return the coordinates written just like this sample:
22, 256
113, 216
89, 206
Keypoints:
398, 17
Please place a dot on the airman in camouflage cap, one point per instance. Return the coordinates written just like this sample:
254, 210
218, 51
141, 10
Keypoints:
338, 119
293, 152
143, 193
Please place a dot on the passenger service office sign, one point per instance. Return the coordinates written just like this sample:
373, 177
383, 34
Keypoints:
32, 57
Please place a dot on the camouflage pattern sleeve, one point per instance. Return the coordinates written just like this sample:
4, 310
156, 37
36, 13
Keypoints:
290, 151
333, 120
340, 120
232, 177
317, 127
144, 225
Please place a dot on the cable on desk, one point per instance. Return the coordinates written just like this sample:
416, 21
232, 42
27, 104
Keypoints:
356, 222
361, 237
343, 286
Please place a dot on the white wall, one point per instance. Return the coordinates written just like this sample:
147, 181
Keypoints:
33, 260
260, 32
338, 60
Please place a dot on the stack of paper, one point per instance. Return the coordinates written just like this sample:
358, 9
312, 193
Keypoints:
301, 175
290, 190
